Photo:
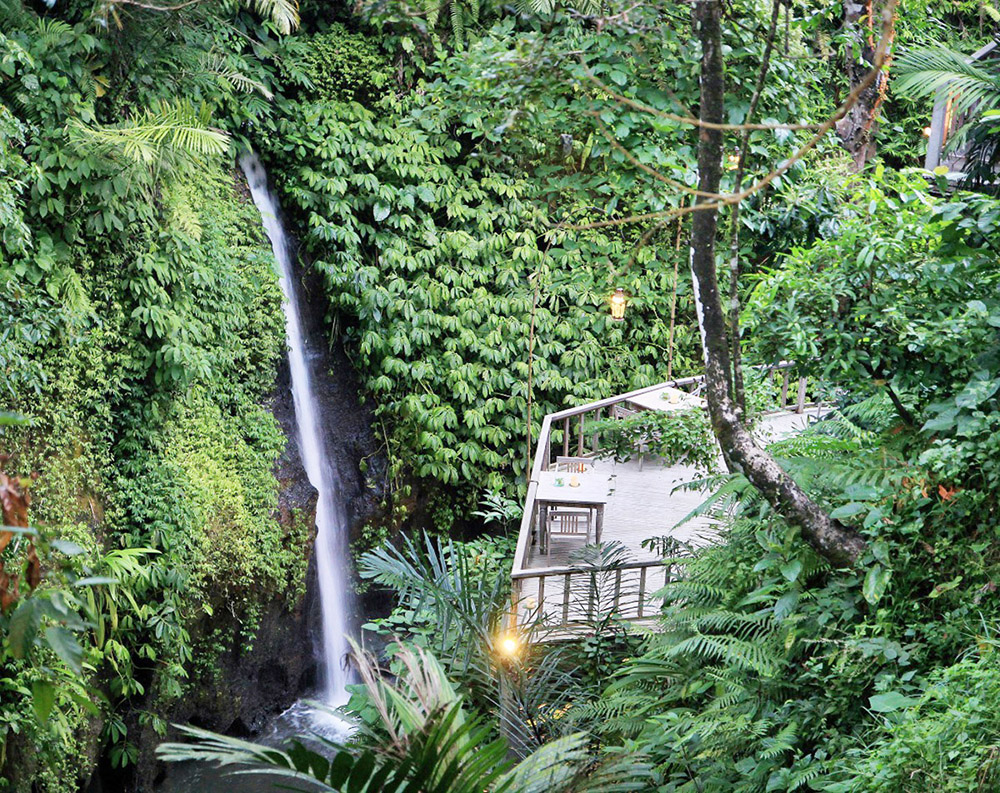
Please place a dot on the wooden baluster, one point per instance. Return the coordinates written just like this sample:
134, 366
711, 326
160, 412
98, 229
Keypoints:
565, 613
579, 439
642, 589
618, 589
592, 595
784, 389
801, 403
595, 438
566, 437
541, 596
515, 600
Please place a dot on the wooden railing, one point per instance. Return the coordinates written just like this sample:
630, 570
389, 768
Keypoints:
582, 594
574, 595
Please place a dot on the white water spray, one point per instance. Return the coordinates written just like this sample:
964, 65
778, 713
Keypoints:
331, 521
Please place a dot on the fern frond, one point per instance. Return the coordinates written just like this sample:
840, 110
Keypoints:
232, 80
727, 649
783, 742
457, 23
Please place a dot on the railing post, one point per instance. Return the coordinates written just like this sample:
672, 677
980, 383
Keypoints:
591, 596
618, 590
642, 589
565, 608
541, 596
566, 437
594, 438
801, 403
784, 388
579, 439
515, 599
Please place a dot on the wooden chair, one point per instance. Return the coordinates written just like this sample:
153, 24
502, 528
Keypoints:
571, 465
566, 522
619, 411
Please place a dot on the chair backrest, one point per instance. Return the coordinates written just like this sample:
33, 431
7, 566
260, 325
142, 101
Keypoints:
619, 411
572, 465
564, 521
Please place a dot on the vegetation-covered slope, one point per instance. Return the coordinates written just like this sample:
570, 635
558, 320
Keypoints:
467, 180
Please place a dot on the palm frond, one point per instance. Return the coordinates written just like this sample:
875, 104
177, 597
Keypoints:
232, 80
926, 72
167, 130
283, 13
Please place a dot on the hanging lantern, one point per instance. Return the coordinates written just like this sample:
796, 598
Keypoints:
618, 303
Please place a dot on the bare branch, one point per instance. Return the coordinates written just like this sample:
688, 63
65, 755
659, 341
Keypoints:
802, 151
646, 168
690, 121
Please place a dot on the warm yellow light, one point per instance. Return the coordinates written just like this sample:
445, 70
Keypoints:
733, 160
509, 646
927, 132
618, 303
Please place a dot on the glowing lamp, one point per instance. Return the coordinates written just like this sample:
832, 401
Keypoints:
618, 303
508, 647
927, 132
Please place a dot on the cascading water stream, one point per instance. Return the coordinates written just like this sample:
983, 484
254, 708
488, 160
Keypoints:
331, 543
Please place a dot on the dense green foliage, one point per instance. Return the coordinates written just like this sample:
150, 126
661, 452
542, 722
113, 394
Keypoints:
432, 216
141, 332
460, 178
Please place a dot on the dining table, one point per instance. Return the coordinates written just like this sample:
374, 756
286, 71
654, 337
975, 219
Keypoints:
667, 399
590, 490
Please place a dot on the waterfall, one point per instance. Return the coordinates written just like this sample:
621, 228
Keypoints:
331, 521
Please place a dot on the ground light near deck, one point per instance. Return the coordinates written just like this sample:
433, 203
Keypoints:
508, 647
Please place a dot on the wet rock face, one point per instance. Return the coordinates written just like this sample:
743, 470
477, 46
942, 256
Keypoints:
348, 423
259, 678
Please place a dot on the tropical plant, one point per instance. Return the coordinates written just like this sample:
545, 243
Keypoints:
161, 138
892, 302
915, 747
424, 740
682, 436
972, 92
283, 14
451, 600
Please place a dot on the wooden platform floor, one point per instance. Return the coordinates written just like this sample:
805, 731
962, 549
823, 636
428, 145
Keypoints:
651, 502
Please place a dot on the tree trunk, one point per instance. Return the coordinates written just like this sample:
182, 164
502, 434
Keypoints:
857, 129
837, 543
739, 391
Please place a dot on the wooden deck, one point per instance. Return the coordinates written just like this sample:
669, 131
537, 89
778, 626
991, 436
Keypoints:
562, 594
651, 502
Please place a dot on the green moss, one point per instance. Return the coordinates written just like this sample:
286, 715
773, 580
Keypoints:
241, 556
